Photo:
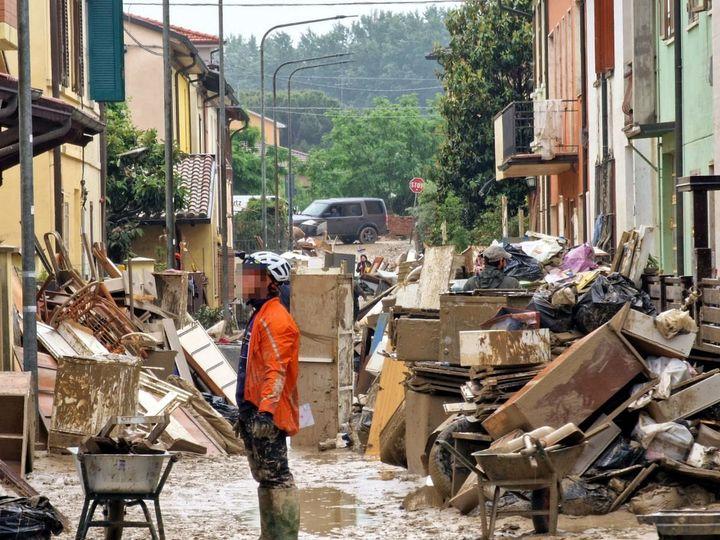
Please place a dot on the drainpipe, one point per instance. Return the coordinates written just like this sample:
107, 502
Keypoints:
55, 70
545, 24
181, 72
583, 113
103, 176
679, 166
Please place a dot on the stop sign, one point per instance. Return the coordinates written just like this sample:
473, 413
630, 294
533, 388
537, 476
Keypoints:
417, 185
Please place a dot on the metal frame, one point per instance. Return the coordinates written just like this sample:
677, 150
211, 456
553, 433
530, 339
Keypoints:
93, 499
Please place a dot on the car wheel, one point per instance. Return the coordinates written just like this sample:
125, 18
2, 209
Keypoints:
368, 235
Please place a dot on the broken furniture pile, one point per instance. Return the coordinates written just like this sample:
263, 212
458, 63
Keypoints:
119, 344
583, 346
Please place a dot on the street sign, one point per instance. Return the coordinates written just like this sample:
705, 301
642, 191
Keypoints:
417, 185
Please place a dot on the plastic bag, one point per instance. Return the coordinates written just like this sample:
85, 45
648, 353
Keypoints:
667, 439
606, 296
555, 318
542, 249
522, 266
670, 371
582, 498
579, 259
672, 322
28, 519
620, 454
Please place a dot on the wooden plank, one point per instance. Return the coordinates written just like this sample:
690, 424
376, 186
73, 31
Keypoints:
688, 401
633, 486
53, 342
435, 275
174, 344
503, 347
641, 331
390, 395
710, 333
596, 445
81, 339
710, 314
208, 362
16, 423
711, 296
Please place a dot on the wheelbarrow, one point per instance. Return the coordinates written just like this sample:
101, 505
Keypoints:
120, 480
539, 470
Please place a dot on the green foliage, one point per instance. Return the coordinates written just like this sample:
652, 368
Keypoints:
375, 153
309, 119
434, 211
388, 57
135, 180
487, 65
247, 225
208, 316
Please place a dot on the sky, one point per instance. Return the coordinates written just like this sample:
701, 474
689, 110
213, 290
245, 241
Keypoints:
256, 20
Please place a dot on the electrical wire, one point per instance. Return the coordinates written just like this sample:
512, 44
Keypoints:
347, 77
299, 4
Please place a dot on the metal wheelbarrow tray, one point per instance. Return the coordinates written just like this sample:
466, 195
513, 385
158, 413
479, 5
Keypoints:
679, 524
512, 469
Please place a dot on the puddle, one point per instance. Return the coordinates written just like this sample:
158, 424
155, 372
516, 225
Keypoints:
323, 509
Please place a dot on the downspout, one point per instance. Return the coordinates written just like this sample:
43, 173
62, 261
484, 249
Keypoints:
103, 175
584, 118
55, 76
679, 166
183, 71
545, 25
60, 131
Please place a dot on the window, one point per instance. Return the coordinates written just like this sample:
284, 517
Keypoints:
375, 208
351, 210
667, 19
695, 7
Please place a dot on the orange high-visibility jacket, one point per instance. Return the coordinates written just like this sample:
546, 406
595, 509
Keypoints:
272, 365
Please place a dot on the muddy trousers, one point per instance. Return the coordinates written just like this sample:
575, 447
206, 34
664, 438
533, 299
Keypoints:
277, 494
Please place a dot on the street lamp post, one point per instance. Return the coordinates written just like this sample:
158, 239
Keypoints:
263, 165
274, 91
290, 182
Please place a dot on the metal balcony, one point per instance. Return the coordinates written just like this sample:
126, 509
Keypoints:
536, 138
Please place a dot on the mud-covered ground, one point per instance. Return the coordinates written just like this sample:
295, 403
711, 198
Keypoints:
343, 495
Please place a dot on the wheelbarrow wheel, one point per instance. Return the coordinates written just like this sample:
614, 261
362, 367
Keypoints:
540, 500
115, 512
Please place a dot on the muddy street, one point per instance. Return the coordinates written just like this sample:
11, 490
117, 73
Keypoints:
342, 495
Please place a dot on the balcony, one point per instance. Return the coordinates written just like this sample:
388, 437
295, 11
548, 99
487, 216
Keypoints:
536, 138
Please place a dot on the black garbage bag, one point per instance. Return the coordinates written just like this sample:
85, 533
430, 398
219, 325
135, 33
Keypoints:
522, 266
607, 295
620, 454
582, 498
555, 318
28, 519
220, 404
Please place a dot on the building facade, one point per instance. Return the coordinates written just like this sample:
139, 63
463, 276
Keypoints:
68, 177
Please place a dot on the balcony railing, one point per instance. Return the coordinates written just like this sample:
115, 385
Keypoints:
539, 135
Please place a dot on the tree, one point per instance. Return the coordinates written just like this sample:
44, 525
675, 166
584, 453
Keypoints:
375, 152
309, 119
487, 65
135, 180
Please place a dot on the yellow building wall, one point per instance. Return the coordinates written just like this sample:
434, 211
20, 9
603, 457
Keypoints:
270, 134
184, 120
76, 164
201, 255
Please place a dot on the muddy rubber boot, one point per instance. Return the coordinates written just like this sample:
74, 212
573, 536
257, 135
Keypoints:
279, 513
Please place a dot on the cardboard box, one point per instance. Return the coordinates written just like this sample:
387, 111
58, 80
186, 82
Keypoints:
504, 347
427, 413
574, 385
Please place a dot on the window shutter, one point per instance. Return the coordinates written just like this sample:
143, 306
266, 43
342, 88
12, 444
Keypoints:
106, 62
78, 56
64, 43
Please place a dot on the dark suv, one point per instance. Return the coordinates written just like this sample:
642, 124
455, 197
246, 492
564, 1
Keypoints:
351, 219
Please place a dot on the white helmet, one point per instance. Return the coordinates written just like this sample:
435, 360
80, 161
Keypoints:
277, 266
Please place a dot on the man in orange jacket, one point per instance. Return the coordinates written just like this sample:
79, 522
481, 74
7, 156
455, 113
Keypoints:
267, 393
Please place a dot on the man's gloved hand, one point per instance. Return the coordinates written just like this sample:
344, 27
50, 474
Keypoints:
263, 426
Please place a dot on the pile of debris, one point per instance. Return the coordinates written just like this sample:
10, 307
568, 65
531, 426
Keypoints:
581, 351
119, 344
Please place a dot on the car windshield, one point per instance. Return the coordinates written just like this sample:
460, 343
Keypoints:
315, 209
